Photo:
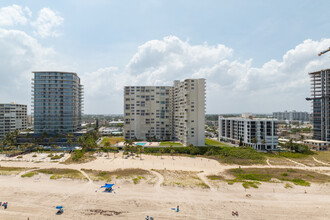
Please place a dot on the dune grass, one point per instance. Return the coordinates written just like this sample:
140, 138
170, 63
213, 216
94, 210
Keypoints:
30, 174
296, 176
279, 161
215, 177
11, 170
62, 173
182, 179
134, 174
80, 156
252, 177
323, 156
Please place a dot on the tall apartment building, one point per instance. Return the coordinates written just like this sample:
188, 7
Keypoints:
261, 134
57, 102
13, 117
291, 116
320, 92
166, 112
189, 111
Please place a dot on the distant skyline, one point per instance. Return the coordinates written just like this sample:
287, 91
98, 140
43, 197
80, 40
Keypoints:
254, 55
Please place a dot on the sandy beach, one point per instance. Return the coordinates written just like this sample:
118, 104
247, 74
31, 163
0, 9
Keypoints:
37, 197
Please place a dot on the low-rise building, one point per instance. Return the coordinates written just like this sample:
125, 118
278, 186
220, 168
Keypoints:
110, 131
317, 144
261, 134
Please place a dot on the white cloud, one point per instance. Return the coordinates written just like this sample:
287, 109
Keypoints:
20, 55
232, 85
13, 15
46, 23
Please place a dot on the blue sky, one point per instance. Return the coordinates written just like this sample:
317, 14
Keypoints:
138, 42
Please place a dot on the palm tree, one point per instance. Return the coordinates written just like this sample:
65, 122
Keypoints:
115, 150
69, 142
140, 150
1, 144
161, 153
107, 145
240, 142
128, 144
255, 141
172, 153
81, 141
302, 137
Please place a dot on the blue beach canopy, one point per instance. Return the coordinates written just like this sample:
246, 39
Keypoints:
59, 207
107, 185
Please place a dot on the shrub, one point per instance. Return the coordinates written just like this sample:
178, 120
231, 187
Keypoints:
31, 174
77, 154
300, 182
247, 185
288, 185
56, 157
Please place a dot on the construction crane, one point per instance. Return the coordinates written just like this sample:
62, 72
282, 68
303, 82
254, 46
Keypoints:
323, 52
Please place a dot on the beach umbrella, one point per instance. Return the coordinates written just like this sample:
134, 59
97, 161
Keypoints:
59, 207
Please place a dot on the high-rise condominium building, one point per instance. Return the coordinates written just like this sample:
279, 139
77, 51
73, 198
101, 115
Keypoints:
320, 92
166, 112
13, 117
189, 111
58, 102
291, 116
260, 134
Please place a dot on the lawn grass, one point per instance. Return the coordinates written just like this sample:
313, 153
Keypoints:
112, 140
211, 142
134, 174
11, 170
62, 173
168, 143
182, 178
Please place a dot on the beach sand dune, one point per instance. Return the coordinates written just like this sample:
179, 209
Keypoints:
37, 197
